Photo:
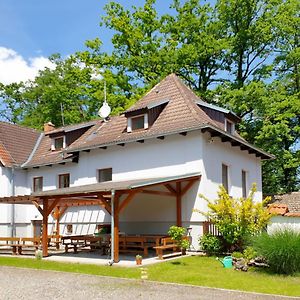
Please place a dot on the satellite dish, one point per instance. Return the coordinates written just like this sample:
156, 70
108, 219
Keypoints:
104, 111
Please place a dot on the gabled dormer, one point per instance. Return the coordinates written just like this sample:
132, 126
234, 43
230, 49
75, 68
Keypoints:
63, 137
224, 117
144, 117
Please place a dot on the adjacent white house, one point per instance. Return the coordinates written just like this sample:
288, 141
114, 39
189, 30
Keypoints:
170, 140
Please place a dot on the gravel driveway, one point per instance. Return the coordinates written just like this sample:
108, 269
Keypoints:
17, 283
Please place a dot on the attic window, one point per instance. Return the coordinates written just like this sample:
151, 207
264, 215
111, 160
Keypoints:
58, 143
229, 126
137, 122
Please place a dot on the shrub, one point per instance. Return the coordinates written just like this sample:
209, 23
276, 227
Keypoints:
249, 253
237, 219
210, 244
237, 254
280, 249
177, 233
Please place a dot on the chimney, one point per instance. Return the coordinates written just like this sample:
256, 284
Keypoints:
48, 127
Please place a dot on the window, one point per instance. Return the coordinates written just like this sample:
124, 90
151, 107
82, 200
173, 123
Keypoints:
137, 122
229, 127
244, 184
58, 143
225, 177
63, 180
69, 229
37, 184
105, 175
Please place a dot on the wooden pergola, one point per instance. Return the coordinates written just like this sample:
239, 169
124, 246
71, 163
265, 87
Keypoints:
113, 196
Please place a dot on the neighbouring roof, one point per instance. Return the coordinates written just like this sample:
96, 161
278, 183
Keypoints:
181, 113
16, 143
286, 205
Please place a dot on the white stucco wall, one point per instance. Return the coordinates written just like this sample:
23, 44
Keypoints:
174, 155
280, 223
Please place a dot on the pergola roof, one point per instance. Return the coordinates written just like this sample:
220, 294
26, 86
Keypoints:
98, 188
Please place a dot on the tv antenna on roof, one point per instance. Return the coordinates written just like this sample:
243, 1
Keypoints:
105, 109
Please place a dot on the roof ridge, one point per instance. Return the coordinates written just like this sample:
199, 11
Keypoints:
193, 106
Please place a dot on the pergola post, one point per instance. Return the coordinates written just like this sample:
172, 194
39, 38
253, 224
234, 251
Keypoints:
45, 227
178, 204
116, 227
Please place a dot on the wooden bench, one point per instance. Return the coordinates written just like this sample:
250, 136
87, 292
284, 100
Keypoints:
54, 240
29, 243
133, 244
80, 242
167, 243
10, 243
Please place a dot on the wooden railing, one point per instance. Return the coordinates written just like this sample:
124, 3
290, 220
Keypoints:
209, 227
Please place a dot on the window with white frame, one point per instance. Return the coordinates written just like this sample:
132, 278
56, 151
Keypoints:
229, 126
244, 184
137, 122
225, 177
58, 143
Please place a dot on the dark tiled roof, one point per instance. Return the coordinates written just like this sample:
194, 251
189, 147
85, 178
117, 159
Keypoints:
291, 201
180, 114
16, 143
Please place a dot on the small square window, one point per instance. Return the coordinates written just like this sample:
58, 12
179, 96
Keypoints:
105, 175
37, 184
137, 122
63, 180
58, 143
69, 229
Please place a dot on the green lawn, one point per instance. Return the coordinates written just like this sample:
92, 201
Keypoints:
196, 270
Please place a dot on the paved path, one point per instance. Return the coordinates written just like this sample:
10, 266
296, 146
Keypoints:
16, 283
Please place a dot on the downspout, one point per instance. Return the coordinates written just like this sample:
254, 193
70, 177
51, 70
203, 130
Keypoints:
112, 228
12, 210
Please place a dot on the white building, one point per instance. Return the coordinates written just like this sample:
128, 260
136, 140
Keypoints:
169, 136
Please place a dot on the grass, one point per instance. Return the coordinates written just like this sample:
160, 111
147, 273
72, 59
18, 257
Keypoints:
195, 270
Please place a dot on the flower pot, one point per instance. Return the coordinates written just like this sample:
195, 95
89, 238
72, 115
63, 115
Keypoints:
138, 261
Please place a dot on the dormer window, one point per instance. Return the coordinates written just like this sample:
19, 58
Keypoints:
229, 126
58, 143
137, 122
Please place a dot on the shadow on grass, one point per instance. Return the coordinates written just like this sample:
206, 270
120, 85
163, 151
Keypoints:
176, 263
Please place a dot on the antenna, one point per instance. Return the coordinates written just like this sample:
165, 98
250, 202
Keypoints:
105, 110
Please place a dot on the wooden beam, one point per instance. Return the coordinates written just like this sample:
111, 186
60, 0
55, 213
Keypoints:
178, 204
170, 188
127, 200
183, 133
188, 186
52, 206
38, 207
116, 228
104, 203
45, 228
161, 137
141, 141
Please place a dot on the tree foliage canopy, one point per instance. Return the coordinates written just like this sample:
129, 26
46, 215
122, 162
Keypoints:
240, 54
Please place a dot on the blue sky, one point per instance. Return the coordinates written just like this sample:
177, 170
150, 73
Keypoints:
32, 30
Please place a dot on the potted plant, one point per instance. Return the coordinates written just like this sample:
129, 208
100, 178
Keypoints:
138, 259
178, 234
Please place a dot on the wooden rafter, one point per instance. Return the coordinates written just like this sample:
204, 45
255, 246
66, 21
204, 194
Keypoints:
188, 186
127, 200
52, 206
170, 188
35, 203
104, 203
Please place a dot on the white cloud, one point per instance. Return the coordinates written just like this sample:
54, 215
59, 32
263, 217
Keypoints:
14, 68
